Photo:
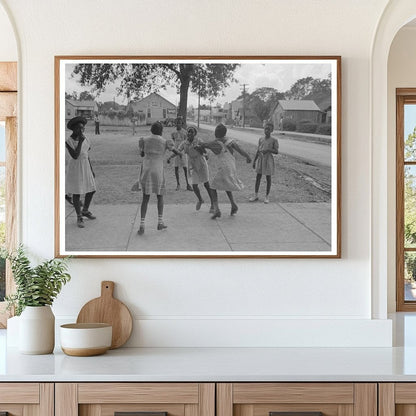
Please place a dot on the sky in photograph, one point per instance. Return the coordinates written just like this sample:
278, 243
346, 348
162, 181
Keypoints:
2, 142
409, 119
280, 76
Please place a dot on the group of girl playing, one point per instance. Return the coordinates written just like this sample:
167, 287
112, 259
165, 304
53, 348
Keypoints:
188, 152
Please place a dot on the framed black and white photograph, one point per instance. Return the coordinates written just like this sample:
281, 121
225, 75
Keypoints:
198, 156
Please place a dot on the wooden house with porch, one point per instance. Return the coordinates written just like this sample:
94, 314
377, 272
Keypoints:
296, 110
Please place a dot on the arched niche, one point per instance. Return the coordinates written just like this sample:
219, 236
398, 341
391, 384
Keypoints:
396, 15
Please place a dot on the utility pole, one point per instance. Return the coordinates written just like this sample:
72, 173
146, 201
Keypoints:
244, 104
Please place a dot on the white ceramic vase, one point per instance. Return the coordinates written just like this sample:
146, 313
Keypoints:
37, 330
12, 334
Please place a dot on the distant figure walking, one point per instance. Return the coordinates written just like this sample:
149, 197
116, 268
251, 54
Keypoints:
134, 120
178, 136
79, 178
226, 177
97, 123
267, 147
197, 165
152, 175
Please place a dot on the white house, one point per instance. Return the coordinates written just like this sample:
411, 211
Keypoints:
154, 107
84, 108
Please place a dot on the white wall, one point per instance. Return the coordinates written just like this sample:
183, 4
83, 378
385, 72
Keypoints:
401, 74
212, 302
8, 46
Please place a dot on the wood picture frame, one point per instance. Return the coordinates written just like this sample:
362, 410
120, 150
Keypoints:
121, 97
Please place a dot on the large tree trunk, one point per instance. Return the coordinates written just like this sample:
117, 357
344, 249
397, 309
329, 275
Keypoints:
185, 78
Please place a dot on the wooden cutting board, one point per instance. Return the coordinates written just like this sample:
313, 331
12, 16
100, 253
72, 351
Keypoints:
107, 309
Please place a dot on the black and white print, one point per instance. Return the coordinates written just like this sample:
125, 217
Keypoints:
219, 157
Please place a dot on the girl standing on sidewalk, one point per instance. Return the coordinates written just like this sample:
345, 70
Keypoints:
226, 177
79, 178
267, 147
152, 174
197, 165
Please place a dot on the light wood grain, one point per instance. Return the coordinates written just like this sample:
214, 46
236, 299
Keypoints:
11, 208
190, 410
246, 410
386, 399
8, 105
224, 399
138, 393
207, 399
91, 410
13, 409
58, 149
404, 96
293, 393
111, 311
11, 196
47, 399
8, 76
339, 158
405, 91
110, 409
31, 410
19, 393
264, 409
84, 352
405, 393
346, 410
400, 304
66, 399
405, 410
365, 399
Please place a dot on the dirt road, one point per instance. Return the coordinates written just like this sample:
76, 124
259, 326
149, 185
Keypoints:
315, 153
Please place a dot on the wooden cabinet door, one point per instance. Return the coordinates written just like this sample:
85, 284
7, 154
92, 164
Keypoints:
26, 399
143, 399
397, 399
297, 399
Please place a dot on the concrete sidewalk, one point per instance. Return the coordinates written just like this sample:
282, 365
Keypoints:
256, 227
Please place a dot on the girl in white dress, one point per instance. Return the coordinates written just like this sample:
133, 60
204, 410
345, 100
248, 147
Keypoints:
152, 174
226, 177
267, 147
79, 178
197, 165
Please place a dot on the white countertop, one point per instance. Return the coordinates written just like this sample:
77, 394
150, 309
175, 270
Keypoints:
215, 364
222, 364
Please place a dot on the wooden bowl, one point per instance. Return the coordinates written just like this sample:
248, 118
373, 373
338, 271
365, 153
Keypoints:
84, 340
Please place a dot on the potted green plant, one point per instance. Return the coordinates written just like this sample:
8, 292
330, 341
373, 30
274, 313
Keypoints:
36, 289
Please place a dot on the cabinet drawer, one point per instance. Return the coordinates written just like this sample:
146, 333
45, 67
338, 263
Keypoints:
309, 399
397, 399
21, 399
147, 399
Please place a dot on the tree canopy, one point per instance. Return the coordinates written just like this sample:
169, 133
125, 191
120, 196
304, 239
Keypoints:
263, 101
309, 86
137, 80
83, 96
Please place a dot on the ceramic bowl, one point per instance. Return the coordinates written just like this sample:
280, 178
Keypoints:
83, 340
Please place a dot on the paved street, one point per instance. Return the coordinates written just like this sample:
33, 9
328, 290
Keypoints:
311, 152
